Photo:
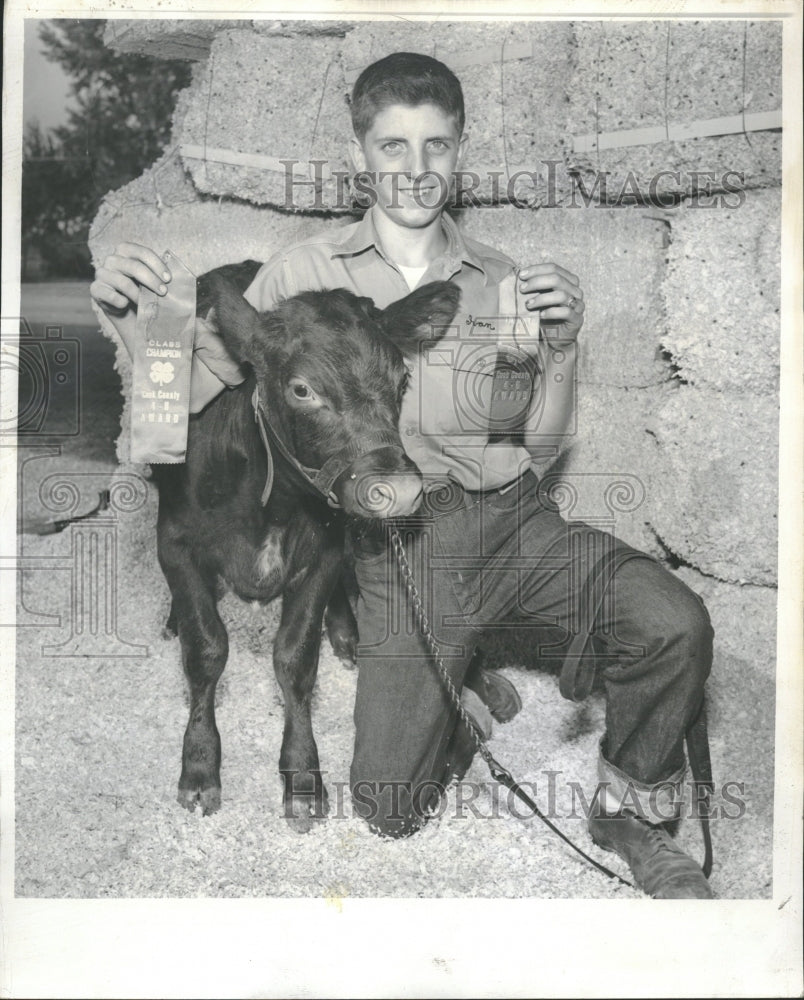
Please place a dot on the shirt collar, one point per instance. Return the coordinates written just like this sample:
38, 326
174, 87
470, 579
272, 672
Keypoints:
364, 235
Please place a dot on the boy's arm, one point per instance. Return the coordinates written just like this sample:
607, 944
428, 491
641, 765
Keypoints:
555, 292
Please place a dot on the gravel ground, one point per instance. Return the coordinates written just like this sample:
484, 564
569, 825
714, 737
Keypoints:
98, 752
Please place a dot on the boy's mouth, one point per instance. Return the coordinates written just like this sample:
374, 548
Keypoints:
423, 194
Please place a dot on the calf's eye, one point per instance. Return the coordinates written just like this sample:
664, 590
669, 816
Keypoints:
301, 395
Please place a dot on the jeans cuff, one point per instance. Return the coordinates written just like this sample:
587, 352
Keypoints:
659, 802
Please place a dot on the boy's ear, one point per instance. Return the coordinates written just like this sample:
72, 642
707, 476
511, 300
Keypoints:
423, 315
356, 154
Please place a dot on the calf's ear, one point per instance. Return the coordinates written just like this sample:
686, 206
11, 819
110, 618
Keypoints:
236, 321
423, 315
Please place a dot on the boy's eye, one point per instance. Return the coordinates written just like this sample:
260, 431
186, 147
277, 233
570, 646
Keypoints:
391, 148
438, 145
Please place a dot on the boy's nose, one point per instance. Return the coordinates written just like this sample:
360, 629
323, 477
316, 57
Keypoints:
418, 162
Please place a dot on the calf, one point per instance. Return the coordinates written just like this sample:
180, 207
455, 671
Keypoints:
317, 416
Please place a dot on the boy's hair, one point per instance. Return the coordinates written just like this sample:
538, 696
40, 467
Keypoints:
404, 78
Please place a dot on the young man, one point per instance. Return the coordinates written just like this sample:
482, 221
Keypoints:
486, 544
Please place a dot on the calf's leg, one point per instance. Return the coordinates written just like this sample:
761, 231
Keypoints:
296, 651
204, 649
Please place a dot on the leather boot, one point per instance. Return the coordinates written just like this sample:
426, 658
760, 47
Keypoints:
496, 692
660, 868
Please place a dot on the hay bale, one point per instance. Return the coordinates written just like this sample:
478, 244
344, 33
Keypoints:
719, 453
273, 97
302, 28
722, 295
163, 39
743, 617
161, 209
648, 73
619, 255
191, 39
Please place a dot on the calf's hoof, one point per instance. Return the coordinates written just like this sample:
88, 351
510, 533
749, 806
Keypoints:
303, 820
307, 805
208, 798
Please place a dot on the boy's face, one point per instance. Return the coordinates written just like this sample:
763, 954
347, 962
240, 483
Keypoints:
411, 153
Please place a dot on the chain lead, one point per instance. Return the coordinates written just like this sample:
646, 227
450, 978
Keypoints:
423, 624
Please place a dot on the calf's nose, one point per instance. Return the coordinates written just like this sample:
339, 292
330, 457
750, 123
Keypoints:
388, 495
381, 483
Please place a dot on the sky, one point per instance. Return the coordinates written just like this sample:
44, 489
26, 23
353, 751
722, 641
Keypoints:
45, 86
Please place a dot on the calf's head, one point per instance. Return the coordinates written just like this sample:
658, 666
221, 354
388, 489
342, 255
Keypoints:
331, 367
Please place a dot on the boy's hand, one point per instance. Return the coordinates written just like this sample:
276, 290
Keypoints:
555, 292
117, 283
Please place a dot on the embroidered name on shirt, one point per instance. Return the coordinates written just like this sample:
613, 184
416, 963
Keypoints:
479, 324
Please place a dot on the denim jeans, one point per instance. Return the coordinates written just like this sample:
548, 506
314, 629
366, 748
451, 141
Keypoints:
481, 559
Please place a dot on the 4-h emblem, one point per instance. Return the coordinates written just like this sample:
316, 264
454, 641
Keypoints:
162, 372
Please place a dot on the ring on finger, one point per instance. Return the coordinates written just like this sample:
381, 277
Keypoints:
572, 302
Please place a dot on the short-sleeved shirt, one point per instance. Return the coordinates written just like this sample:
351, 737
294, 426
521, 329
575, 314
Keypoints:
446, 413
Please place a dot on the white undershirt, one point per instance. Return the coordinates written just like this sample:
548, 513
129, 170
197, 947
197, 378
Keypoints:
412, 275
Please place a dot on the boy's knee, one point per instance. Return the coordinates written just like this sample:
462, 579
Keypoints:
663, 607
693, 627
668, 621
686, 636
393, 808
